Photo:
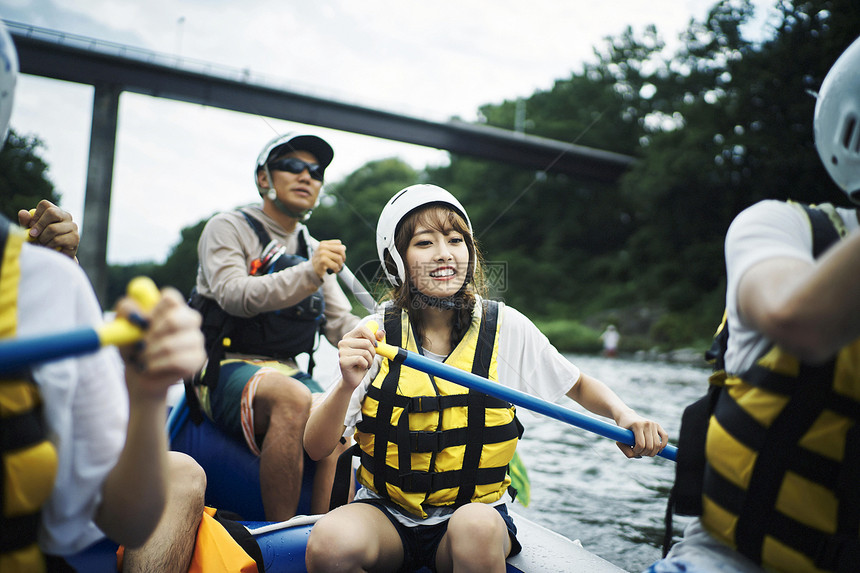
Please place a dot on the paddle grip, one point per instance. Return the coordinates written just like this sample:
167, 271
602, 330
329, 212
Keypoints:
122, 331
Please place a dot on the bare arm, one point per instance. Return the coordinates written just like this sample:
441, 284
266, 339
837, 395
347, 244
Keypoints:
597, 397
810, 309
325, 424
134, 493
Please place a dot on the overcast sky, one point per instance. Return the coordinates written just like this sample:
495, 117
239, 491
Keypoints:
177, 163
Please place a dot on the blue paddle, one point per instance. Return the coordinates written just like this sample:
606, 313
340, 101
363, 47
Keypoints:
19, 353
474, 382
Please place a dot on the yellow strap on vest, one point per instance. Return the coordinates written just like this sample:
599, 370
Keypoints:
29, 463
10, 273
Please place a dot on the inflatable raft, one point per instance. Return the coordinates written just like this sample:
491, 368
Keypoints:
232, 473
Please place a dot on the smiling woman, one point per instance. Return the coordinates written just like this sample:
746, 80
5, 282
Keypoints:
426, 507
437, 256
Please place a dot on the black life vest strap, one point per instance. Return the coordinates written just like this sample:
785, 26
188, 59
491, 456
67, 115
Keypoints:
343, 477
841, 552
421, 404
393, 335
423, 442
824, 234
773, 457
476, 423
18, 532
22, 430
265, 238
429, 482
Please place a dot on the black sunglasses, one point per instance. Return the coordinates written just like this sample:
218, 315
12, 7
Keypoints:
295, 165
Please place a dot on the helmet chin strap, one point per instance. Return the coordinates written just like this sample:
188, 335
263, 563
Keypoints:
444, 303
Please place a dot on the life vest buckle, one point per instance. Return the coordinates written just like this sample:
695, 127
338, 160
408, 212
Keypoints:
420, 404
426, 441
417, 482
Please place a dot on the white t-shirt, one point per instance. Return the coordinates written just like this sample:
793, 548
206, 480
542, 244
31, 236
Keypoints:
766, 230
526, 361
85, 399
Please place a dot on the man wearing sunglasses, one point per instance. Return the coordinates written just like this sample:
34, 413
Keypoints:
267, 290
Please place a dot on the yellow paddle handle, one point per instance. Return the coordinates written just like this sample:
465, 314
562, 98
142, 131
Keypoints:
121, 331
31, 239
382, 348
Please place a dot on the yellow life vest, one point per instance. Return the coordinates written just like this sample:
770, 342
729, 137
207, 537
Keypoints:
782, 480
28, 461
782, 473
424, 441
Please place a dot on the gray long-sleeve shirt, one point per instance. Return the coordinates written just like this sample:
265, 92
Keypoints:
226, 249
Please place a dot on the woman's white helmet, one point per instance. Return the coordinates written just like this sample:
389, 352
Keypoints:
837, 122
8, 79
397, 208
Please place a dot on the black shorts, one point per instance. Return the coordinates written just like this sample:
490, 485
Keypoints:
421, 541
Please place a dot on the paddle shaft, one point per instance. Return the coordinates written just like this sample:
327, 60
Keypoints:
20, 353
357, 289
475, 382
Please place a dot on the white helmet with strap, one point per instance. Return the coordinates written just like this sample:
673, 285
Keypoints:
397, 208
8, 79
837, 122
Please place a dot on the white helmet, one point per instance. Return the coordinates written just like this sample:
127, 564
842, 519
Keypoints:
397, 208
8, 78
837, 122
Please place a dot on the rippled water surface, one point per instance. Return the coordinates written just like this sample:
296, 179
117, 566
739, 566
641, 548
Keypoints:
582, 486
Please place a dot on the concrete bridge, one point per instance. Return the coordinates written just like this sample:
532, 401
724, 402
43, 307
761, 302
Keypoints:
114, 68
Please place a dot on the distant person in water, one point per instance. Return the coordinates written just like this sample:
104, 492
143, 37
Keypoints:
434, 456
610, 338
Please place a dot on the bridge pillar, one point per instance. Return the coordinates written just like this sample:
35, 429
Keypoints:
92, 253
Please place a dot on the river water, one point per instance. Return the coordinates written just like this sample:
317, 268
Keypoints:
582, 486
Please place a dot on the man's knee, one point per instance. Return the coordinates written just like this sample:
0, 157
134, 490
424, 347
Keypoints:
277, 391
186, 475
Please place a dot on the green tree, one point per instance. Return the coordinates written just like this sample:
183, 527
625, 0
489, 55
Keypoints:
180, 268
24, 177
744, 133
178, 271
350, 209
